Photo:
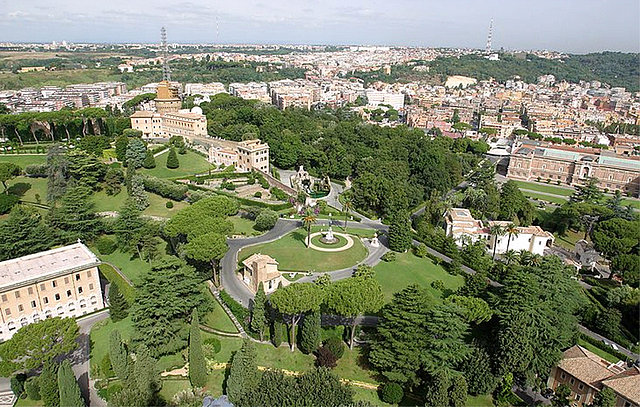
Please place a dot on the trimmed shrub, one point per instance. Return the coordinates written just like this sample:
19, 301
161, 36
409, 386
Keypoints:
32, 388
266, 220
165, 188
169, 205
389, 256
391, 393
437, 285
258, 194
420, 250
106, 245
278, 193
7, 201
36, 170
335, 346
276, 333
17, 384
324, 358
149, 160
241, 313
172, 159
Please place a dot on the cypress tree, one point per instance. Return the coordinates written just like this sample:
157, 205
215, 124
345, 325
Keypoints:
197, 363
310, 335
68, 386
258, 316
400, 233
458, 391
437, 390
276, 333
243, 375
149, 160
118, 355
48, 381
172, 159
118, 306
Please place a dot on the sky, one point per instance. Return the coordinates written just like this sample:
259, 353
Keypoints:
577, 26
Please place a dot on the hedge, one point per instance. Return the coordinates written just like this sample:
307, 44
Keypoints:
241, 313
164, 188
36, 170
244, 201
110, 274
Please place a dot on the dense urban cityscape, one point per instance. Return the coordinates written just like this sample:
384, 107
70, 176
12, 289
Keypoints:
231, 224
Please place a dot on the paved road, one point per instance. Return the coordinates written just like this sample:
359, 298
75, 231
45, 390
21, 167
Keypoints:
80, 358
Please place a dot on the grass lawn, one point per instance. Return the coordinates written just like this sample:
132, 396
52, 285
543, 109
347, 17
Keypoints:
110, 274
172, 386
550, 189
129, 263
190, 164
23, 159
543, 197
100, 337
243, 226
480, 401
292, 254
411, 269
635, 203
157, 204
218, 319
27, 402
27, 188
354, 365
360, 394
170, 362
568, 241
602, 353
64, 77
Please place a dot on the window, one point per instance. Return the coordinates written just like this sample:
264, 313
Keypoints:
80, 290
30, 290
578, 397
66, 280
57, 297
581, 386
45, 300
54, 284
7, 311
20, 308
42, 287
572, 380
68, 293
17, 294
77, 277
88, 273
90, 286
562, 375
33, 304
4, 297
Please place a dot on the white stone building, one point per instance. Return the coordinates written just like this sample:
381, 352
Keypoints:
464, 228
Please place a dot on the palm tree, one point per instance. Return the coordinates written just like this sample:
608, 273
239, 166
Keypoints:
536, 260
495, 231
510, 256
525, 258
346, 207
511, 230
308, 220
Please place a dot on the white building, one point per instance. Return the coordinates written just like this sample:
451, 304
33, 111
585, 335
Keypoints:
464, 229
61, 282
378, 97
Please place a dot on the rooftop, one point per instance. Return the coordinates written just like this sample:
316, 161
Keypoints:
586, 366
48, 263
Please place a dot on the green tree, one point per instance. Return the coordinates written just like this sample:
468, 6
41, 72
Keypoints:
295, 300
68, 386
244, 377
474, 310
310, 332
8, 171
511, 231
258, 312
137, 192
113, 180
587, 192
616, 236
391, 393
400, 233
128, 224
118, 305
396, 351
478, 373
76, 217
118, 355
197, 362
437, 393
121, 148
345, 297
37, 343
136, 153
444, 331
57, 172
495, 231
458, 391
210, 248
23, 232
308, 221
145, 377
276, 332
604, 398
149, 160
172, 159
561, 396
48, 381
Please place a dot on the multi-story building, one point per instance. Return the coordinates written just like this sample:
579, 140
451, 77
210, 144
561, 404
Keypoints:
245, 155
168, 98
586, 374
461, 225
377, 97
613, 172
261, 268
59, 282
185, 123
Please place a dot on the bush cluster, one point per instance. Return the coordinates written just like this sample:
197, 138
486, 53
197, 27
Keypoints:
36, 170
165, 188
106, 245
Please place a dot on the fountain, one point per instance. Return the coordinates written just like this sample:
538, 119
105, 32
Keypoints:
329, 238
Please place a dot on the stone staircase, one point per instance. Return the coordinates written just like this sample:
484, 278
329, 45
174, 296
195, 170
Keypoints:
216, 294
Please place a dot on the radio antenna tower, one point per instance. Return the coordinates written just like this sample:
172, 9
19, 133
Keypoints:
166, 72
488, 48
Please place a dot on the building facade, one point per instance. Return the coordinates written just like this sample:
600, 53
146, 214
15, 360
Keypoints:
461, 225
261, 268
614, 173
168, 98
586, 374
62, 282
185, 123
245, 155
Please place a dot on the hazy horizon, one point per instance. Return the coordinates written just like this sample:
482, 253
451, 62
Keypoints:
571, 26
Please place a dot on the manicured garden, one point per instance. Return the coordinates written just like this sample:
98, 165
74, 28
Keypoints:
29, 189
410, 269
549, 189
129, 263
218, 319
243, 226
292, 254
603, 354
190, 164
543, 197
157, 204
23, 159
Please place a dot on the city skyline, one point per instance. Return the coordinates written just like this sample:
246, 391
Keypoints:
568, 26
